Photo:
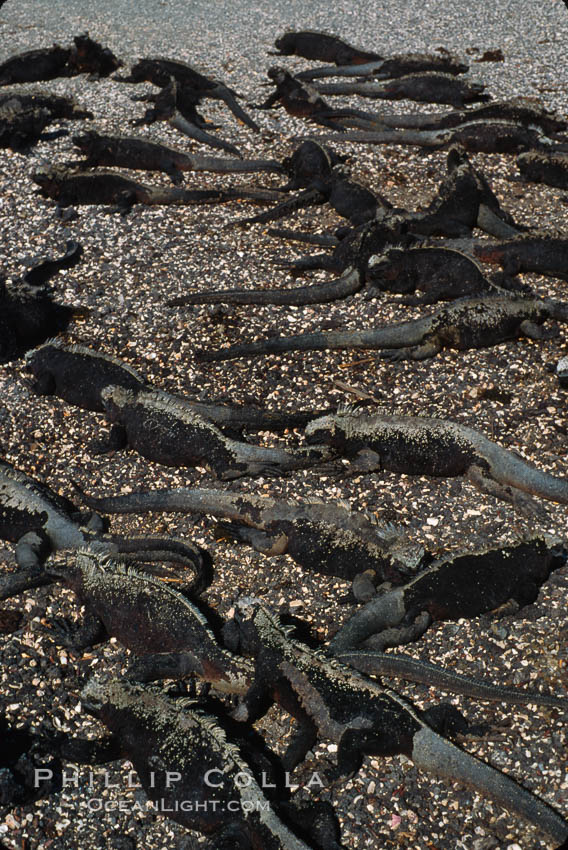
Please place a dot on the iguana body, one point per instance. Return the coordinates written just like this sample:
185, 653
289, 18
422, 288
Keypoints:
163, 738
41, 521
139, 153
28, 317
165, 429
319, 536
332, 701
463, 585
541, 167
71, 187
417, 445
47, 63
152, 620
302, 100
463, 324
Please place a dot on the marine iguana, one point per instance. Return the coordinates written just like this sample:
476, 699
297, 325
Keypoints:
462, 585
331, 700
47, 63
165, 429
481, 136
302, 100
395, 66
89, 57
320, 536
418, 445
41, 522
464, 200
539, 253
159, 70
140, 153
166, 738
442, 274
73, 186
312, 44
59, 106
149, 618
78, 374
177, 105
44, 63
542, 167
425, 87
463, 324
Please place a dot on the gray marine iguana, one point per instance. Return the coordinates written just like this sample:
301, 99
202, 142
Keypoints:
78, 375
320, 536
41, 522
166, 738
140, 153
331, 700
424, 87
165, 429
151, 619
466, 584
419, 445
70, 186
462, 324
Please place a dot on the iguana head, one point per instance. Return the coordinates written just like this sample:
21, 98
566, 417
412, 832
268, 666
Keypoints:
326, 430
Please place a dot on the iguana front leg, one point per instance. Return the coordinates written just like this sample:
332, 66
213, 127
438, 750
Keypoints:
413, 352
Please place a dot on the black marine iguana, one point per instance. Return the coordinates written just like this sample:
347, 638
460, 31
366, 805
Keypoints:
463, 585
487, 135
330, 699
149, 618
139, 153
539, 253
319, 536
311, 44
302, 100
442, 274
166, 738
464, 200
418, 445
28, 314
425, 87
165, 429
395, 66
78, 374
159, 71
544, 167
70, 186
463, 324
41, 521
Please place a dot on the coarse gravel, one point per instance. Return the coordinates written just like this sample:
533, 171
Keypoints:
134, 264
